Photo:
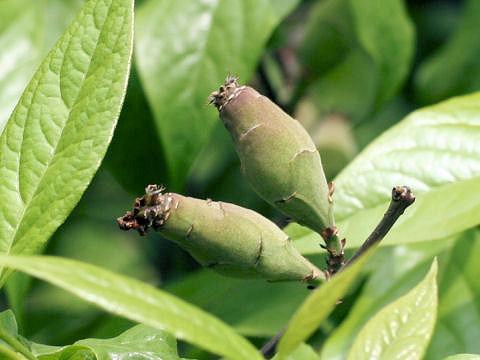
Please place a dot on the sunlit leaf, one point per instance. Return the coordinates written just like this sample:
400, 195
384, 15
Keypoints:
318, 306
59, 132
434, 151
184, 50
140, 342
401, 330
27, 30
137, 301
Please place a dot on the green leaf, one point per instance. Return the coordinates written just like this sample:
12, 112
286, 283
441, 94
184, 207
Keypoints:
253, 307
453, 69
401, 330
385, 31
135, 157
434, 151
318, 306
457, 329
338, 90
463, 357
302, 352
184, 50
396, 269
137, 301
362, 50
60, 130
27, 30
329, 36
140, 342
87, 240
12, 345
8, 322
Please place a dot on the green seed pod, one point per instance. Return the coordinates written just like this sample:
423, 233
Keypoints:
277, 154
231, 240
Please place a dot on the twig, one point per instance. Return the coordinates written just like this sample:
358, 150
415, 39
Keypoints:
402, 197
268, 350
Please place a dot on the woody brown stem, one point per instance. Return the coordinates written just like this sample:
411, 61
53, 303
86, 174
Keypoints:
268, 350
402, 197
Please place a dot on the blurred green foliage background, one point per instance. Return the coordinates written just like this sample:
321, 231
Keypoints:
318, 63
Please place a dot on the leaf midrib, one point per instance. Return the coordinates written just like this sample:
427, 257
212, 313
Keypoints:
27, 203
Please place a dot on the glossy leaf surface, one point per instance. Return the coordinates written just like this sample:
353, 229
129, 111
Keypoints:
184, 50
463, 357
27, 30
58, 134
317, 307
302, 352
434, 151
397, 269
140, 342
137, 301
401, 330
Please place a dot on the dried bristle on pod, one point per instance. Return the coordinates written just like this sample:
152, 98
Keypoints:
231, 240
277, 155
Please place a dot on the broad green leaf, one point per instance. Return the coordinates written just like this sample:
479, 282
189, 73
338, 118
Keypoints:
396, 269
318, 306
8, 322
140, 342
184, 50
362, 50
135, 157
457, 329
387, 34
453, 69
328, 36
401, 330
463, 357
9, 328
137, 301
338, 90
16, 290
87, 240
434, 151
27, 30
302, 352
60, 130
253, 307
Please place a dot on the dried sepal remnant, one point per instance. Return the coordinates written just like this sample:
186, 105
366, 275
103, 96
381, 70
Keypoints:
277, 154
231, 240
226, 93
149, 211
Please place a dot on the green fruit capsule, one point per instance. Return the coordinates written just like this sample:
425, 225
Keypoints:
277, 155
231, 240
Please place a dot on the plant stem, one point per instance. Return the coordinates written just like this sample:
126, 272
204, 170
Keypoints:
16, 344
268, 350
402, 197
